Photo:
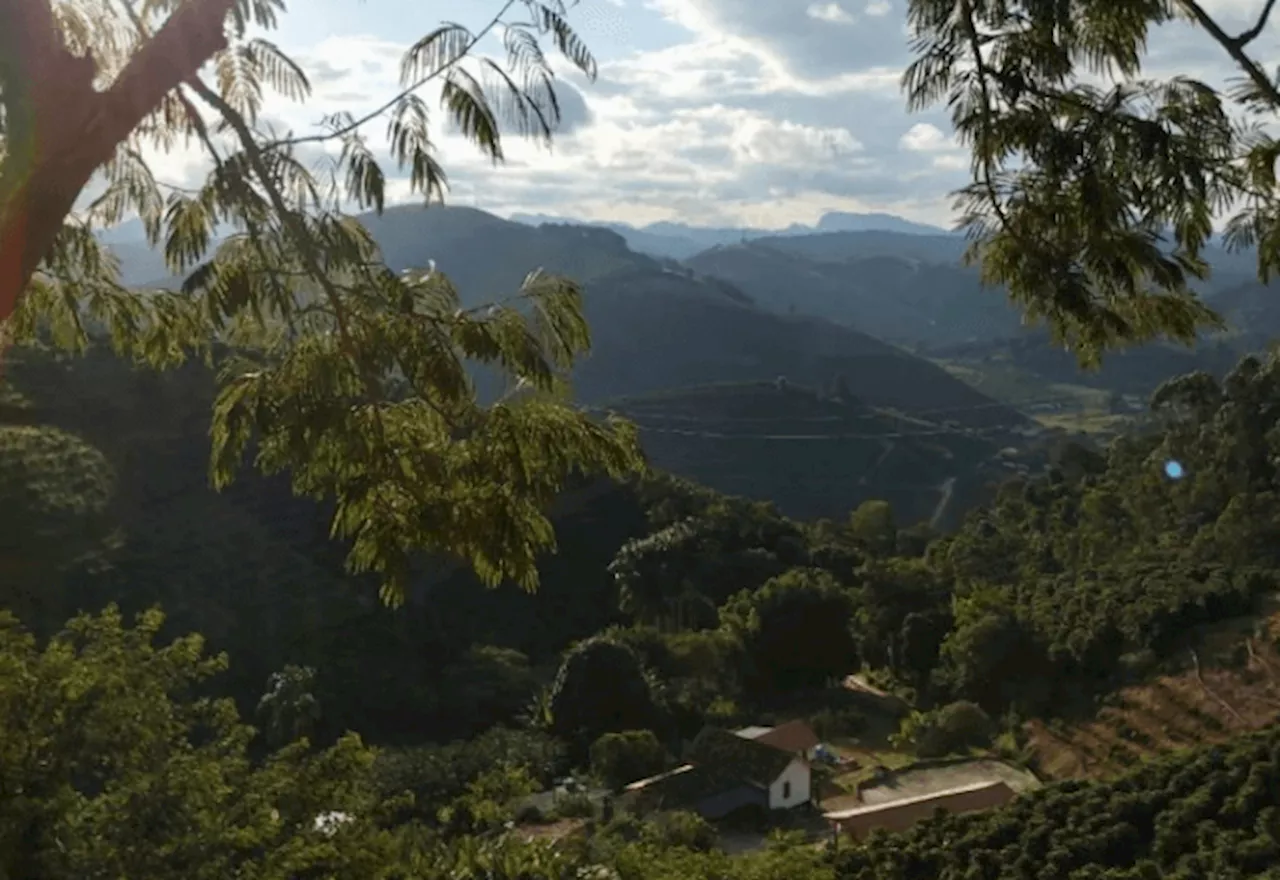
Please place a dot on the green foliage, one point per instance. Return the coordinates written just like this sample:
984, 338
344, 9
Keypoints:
601, 687
871, 525
289, 710
491, 685
1206, 813
954, 728
670, 829
676, 576
831, 723
1092, 200
349, 377
621, 758
438, 775
794, 630
57, 515
113, 766
902, 614
576, 805
487, 803
254, 571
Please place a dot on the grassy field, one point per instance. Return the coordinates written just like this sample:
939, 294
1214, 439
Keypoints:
1097, 423
1020, 388
1069, 407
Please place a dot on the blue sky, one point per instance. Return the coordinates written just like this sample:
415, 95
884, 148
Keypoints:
751, 112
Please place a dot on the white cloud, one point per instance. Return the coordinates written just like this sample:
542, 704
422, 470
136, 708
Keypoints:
925, 138
720, 111
832, 13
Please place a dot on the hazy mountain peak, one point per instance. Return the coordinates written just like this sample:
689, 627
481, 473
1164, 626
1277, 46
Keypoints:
843, 221
679, 241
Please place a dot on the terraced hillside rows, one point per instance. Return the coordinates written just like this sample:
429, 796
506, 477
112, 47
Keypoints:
813, 456
1201, 705
1209, 813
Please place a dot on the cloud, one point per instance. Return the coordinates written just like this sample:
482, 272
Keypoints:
832, 13
766, 112
798, 39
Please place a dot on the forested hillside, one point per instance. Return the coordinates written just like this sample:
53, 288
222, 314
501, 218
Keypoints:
375, 543
656, 326
817, 453
1067, 586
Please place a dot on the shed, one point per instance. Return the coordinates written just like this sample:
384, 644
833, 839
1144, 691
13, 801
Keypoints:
900, 815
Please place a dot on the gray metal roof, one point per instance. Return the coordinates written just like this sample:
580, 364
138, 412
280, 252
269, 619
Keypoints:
918, 799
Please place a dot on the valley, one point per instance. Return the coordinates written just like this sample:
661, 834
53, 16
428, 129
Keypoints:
363, 519
937, 525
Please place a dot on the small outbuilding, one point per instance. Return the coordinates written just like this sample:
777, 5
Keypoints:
900, 815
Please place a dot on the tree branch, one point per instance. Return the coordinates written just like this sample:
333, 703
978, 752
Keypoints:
403, 93
1235, 48
62, 129
1254, 32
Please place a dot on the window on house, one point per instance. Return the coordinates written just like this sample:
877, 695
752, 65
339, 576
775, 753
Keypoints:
786, 790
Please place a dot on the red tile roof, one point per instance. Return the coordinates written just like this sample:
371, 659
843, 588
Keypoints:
794, 736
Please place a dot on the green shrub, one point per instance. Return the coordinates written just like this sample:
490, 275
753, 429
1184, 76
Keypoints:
531, 814
955, 727
683, 829
620, 758
575, 806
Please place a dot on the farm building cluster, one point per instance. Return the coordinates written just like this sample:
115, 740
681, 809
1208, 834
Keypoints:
769, 769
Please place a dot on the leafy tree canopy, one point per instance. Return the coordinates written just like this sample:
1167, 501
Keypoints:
601, 687
1096, 187
57, 515
353, 379
113, 765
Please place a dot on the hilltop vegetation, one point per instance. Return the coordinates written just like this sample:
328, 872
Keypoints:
719, 611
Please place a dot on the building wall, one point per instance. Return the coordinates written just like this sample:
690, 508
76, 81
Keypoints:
719, 805
781, 797
900, 818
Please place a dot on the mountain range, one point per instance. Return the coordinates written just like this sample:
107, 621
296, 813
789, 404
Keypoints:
871, 343
680, 240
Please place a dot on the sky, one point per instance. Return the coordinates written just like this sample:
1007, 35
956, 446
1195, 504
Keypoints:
710, 112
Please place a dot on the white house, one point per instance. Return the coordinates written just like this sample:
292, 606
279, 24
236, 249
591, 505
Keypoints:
727, 772
791, 788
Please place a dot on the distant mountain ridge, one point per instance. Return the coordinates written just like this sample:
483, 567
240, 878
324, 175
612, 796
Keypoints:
680, 240
658, 327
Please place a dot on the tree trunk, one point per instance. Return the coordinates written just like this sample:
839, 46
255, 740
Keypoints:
61, 129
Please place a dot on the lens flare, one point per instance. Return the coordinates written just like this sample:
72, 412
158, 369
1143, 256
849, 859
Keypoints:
1173, 470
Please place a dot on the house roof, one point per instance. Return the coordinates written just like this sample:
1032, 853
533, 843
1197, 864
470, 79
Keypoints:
794, 736
869, 809
694, 783
753, 732
659, 778
730, 756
